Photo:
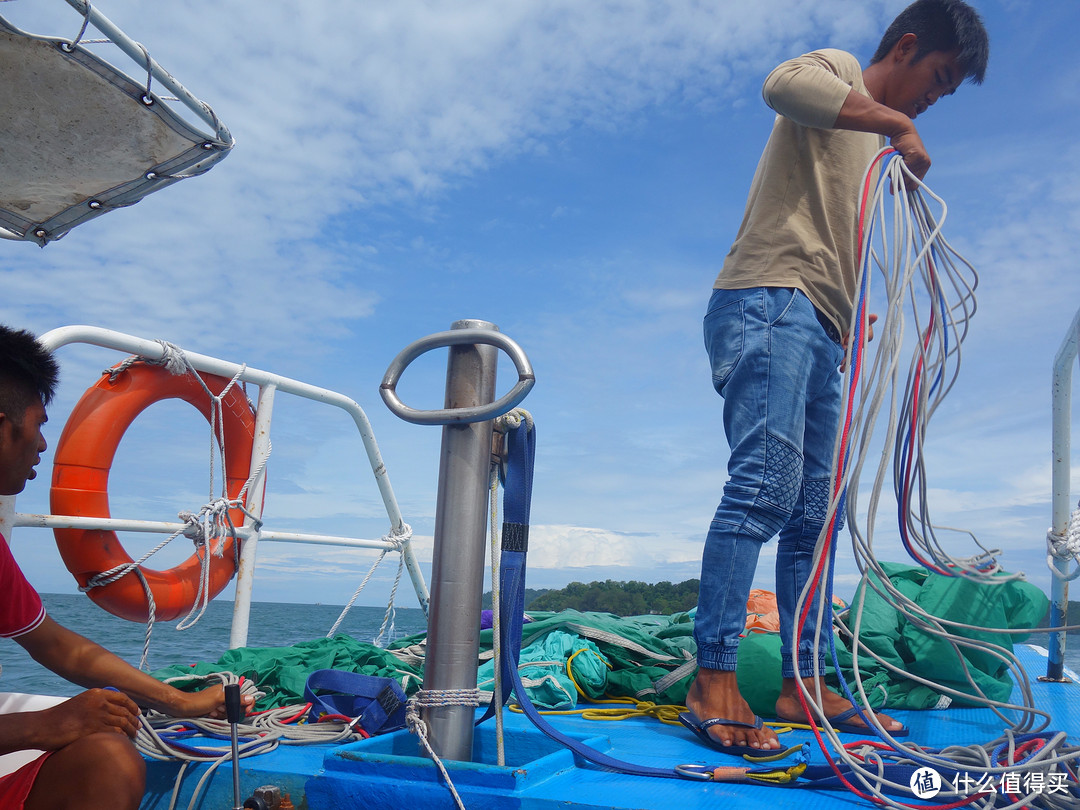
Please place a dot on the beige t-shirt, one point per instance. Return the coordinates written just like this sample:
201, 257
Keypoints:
800, 227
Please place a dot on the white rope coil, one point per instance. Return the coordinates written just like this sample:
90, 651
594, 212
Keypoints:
1065, 547
166, 738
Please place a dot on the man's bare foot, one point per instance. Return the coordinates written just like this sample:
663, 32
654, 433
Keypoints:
788, 706
715, 693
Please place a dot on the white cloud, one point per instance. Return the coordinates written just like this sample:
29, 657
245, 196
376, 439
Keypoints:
560, 547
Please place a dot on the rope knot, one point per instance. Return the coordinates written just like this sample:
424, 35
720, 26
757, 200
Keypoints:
211, 522
172, 357
397, 539
513, 419
1064, 546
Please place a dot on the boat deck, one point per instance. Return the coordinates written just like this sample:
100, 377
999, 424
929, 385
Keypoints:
388, 771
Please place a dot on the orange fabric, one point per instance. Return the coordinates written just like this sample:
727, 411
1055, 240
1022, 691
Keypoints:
15, 787
762, 615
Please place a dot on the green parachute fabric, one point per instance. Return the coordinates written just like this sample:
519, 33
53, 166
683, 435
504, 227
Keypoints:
281, 672
983, 607
627, 657
641, 650
543, 666
615, 657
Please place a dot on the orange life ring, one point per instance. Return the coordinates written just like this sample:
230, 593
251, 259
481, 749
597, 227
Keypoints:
80, 479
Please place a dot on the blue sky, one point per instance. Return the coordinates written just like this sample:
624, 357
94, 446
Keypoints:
573, 172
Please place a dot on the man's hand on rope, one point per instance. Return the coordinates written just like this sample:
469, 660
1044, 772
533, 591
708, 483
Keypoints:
209, 702
910, 146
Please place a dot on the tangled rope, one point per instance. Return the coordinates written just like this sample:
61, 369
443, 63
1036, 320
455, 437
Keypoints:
396, 540
167, 738
920, 269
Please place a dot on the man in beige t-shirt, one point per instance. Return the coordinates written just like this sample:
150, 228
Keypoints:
775, 333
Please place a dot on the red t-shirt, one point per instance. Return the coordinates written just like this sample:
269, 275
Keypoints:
20, 609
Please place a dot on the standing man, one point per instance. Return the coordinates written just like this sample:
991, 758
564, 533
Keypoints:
774, 332
89, 760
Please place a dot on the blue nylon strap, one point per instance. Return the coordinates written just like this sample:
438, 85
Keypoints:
516, 501
378, 702
823, 777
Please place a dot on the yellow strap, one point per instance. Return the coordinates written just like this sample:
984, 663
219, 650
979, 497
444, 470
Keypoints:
630, 707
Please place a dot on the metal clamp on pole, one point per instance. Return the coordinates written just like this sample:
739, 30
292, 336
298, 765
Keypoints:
457, 567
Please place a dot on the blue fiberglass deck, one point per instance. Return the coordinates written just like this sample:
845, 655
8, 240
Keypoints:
388, 772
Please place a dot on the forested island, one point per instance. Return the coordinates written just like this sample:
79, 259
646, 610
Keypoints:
609, 596
639, 598
1072, 617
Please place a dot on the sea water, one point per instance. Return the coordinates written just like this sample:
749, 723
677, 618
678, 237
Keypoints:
272, 624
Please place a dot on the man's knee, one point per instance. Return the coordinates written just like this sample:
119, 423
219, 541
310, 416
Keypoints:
101, 770
816, 496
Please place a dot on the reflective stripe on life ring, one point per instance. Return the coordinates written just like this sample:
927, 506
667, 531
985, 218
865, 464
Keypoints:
80, 479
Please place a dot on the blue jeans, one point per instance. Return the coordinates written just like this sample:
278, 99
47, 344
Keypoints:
776, 368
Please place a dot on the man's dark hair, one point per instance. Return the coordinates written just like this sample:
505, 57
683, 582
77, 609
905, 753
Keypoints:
27, 370
942, 25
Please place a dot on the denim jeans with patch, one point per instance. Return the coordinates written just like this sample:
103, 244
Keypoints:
776, 368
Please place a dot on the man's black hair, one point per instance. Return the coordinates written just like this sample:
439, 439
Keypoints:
942, 25
27, 370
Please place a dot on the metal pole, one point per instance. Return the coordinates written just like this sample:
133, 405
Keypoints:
457, 568
1062, 446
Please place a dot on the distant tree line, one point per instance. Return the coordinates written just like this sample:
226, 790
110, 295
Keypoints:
1072, 617
620, 598
531, 594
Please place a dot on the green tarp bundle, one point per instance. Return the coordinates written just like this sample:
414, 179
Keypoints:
637, 652
618, 657
976, 610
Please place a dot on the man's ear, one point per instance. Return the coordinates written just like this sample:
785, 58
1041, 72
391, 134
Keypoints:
905, 48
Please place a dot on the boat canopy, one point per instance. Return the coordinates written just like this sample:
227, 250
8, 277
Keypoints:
79, 137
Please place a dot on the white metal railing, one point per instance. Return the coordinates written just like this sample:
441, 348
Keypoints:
1061, 478
252, 531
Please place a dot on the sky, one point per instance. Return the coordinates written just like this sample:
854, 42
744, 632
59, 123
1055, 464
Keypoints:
573, 172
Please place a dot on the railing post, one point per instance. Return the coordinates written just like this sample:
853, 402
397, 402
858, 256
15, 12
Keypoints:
457, 570
1062, 502
245, 571
7, 516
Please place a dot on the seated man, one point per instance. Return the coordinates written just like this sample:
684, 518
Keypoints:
89, 760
